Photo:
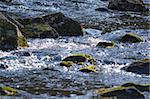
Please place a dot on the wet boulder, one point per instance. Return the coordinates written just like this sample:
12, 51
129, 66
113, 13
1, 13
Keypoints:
121, 92
127, 5
139, 67
106, 44
79, 59
10, 35
140, 87
131, 38
65, 26
7, 91
37, 28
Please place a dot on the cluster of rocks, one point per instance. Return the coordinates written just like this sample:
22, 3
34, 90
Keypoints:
13, 32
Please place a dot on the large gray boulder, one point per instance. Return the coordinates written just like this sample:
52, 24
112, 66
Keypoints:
10, 35
127, 5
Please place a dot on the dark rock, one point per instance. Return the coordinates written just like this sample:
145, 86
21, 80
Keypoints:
102, 9
63, 25
127, 5
10, 35
37, 28
132, 38
106, 44
141, 87
2, 66
121, 92
139, 67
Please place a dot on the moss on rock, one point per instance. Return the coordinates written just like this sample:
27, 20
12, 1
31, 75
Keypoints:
88, 69
121, 92
7, 91
132, 38
141, 87
106, 44
10, 35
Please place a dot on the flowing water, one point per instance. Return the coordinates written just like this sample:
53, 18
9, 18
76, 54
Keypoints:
39, 75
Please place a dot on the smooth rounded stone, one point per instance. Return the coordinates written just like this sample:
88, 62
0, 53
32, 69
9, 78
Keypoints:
121, 92
79, 59
140, 87
106, 44
3, 66
22, 53
10, 36
88, 69
131, 38
127, 5
139, 67
7, 91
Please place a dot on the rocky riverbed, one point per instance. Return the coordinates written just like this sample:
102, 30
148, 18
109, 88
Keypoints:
35, 71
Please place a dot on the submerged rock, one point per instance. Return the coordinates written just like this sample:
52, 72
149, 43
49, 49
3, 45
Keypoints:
10, 35
121, 92
106, 44
132, 38
127, 5
141, 87
79, 59
139, 67
88, 69
7, 91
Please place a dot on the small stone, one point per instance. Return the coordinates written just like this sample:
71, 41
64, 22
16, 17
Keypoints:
106, 44
131, 38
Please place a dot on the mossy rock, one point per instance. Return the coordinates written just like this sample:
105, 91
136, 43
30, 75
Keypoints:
77, 59
66, 63
39, 30
131, 38
7, 91
139, 67
10, 35
106, 44
121, 92
88, 69
141, 87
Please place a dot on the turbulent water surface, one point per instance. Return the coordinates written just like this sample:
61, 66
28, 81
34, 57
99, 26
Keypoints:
40, 76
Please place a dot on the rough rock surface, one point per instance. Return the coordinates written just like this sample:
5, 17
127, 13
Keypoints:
127, 5
10, 35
